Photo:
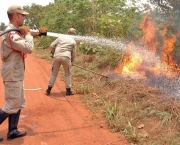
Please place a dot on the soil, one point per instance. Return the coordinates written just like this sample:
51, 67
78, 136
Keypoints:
55, 119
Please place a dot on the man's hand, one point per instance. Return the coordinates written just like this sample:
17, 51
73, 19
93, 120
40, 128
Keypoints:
42, 31
24, 30
35, 34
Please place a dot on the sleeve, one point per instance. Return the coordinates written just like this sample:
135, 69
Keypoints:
19, 43
53, 45
73, 53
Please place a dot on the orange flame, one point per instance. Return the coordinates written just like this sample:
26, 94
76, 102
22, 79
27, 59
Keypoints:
168, 47
132, 63
149, 39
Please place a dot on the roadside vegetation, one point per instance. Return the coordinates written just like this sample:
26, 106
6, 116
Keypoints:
144, 115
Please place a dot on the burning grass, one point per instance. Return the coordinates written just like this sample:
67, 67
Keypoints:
143, 114
141, 101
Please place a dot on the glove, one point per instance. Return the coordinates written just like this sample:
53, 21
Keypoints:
24, 30
42, 31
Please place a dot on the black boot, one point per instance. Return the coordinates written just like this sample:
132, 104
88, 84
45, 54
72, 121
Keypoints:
69, 92
48, 91
13, 123
1, 139
3, 116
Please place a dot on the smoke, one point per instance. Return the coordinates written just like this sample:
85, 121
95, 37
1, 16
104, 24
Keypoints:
163, 78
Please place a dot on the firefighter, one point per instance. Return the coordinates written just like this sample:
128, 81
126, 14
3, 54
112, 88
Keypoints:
14, 48
63, 52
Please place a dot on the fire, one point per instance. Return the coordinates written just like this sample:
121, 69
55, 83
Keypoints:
149, 39
130, 64
168, 47
135, 63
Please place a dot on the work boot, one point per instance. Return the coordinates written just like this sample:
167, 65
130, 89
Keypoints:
3, 116
13, 123
69, 92
48, 91
1, 139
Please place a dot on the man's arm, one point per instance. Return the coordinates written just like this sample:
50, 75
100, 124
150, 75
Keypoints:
19, 43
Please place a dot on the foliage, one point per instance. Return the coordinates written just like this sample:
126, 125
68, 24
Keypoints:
2, 26
124, 103
89, 48
34, 16
144, 115
112, 19
134, 32
166, 5
109, 58
44, 42
167, 11
108, 18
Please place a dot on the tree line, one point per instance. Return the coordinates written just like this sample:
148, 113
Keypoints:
105, 18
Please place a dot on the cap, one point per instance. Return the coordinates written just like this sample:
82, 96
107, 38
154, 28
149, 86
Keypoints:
16, 9
72, 31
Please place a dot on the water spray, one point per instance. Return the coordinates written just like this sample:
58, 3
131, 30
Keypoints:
149, 58
113, 44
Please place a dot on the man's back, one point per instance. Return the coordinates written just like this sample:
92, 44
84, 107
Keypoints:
64, 46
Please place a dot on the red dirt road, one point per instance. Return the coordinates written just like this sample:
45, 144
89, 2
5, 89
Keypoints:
55, 120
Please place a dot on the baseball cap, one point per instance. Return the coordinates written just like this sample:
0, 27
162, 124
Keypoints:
72, 31
16, 9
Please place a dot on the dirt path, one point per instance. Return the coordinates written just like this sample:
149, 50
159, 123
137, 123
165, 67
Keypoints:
56, 120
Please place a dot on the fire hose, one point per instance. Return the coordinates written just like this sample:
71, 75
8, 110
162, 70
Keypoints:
18, 30
32, 33
45, 34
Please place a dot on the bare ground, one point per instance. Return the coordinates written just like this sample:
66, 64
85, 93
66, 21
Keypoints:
58, 119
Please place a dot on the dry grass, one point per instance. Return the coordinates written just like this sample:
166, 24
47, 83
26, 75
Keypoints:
145, 115
126, 104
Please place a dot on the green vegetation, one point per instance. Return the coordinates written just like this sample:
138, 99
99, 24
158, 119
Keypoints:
144, 115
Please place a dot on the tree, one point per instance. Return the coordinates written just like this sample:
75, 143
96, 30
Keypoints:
35, 15
2, 26
167, 5
167, 13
